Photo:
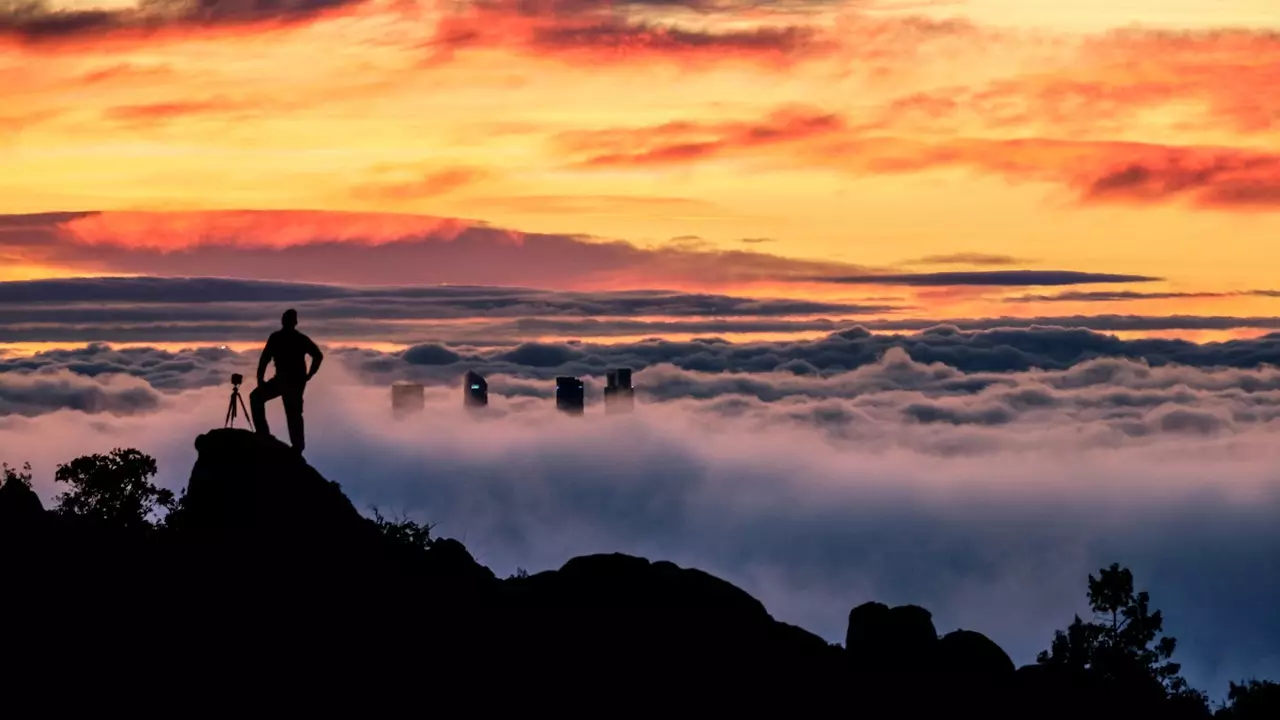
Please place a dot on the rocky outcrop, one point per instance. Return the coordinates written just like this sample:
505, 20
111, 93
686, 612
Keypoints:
622, 616
883, 639
255, 485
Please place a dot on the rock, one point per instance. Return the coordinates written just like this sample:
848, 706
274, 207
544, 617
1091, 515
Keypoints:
868, 627
249, 483
969, 653
884, 639
972, 674
449, 561
913, 631
613, 617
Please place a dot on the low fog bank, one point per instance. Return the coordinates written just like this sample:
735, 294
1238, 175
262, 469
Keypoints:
893, 401
992, 526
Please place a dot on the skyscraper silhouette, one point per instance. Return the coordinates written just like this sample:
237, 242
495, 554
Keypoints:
406, 399
475, 390
619, 396
570, 397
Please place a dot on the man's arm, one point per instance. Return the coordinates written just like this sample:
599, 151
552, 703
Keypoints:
264, 359
316, 356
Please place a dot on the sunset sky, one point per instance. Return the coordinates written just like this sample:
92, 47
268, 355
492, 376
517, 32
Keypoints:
912, 287
780, 149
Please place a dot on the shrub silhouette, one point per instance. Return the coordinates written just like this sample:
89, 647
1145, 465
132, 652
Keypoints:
1251, 700
404, 532
114, 489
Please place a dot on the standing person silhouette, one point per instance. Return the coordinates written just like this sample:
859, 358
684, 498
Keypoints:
288, 348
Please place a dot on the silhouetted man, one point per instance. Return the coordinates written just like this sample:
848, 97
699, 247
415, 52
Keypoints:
288, 348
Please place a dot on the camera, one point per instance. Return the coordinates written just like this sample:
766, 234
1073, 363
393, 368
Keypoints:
236, 378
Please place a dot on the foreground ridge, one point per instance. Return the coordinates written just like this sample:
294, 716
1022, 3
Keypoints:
266, 570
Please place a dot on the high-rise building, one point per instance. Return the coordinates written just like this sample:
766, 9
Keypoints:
619, 396
475, 390
570, 396
406, 399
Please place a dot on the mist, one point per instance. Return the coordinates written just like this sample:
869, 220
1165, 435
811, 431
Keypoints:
992, 527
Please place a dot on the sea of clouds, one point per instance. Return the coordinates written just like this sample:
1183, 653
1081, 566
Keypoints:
815, 475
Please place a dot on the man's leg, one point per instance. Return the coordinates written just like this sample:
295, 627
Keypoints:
269, 390
293, 414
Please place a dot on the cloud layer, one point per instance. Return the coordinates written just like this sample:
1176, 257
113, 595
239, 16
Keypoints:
980, 354
224, 311
988, 497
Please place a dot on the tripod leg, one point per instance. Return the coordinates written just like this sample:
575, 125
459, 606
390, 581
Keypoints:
231, 414
247, 417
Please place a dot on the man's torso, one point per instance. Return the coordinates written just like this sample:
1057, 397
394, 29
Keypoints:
289, 350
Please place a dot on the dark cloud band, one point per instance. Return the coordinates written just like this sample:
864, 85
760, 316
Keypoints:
991, 278
38, 21
214, 310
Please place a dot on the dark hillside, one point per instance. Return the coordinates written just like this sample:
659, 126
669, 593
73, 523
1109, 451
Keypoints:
265, 582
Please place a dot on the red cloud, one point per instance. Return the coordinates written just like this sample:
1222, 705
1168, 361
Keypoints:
678, 142
378, 249
1098, 171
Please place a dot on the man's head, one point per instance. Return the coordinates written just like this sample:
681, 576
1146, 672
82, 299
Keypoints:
289, 319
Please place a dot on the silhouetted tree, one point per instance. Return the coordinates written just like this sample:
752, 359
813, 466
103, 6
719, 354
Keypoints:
19, 504
115, 488
1121, 644
1251, 700
8, 475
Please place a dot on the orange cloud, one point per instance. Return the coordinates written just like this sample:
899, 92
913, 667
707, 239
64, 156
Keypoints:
151, 113
594, 204
125, 70
425, 185
1208, 80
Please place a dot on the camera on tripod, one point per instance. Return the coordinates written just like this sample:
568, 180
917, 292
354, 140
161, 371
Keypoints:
237, 402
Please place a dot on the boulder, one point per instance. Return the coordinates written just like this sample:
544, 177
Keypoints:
618, 619
895, 640
969, 653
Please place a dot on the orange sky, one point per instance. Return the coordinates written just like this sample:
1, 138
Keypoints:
901, 136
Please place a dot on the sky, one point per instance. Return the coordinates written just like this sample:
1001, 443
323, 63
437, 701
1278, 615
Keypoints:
775, 142
937, 301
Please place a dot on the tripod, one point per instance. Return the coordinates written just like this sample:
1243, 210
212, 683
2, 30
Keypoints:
231, 409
